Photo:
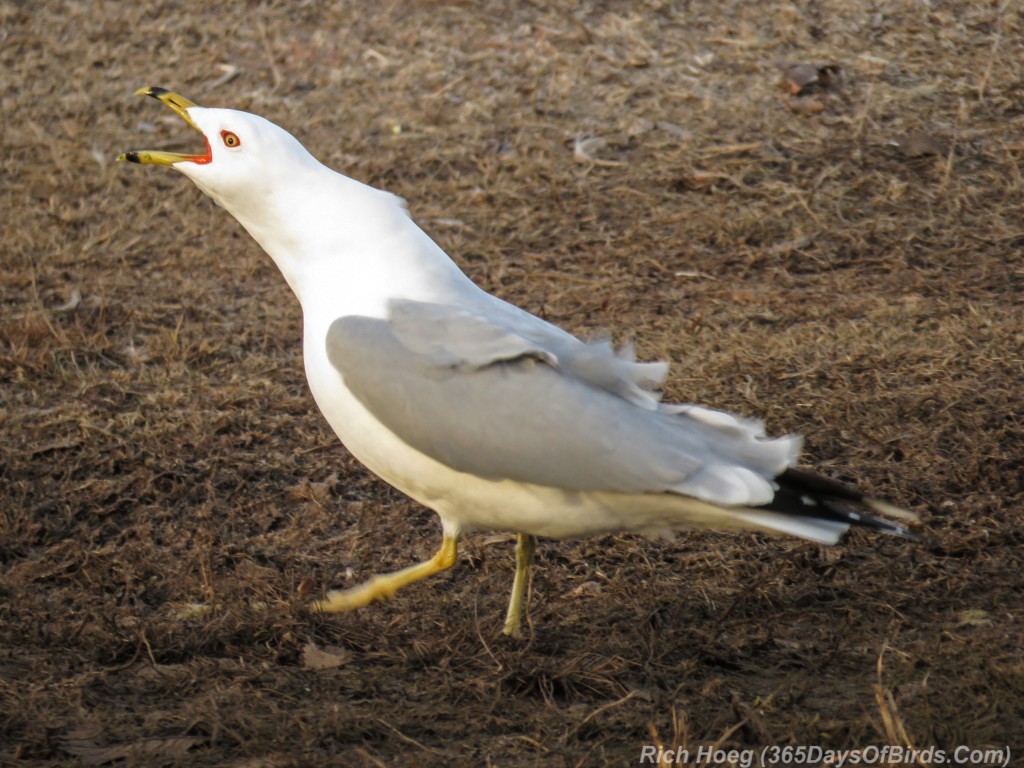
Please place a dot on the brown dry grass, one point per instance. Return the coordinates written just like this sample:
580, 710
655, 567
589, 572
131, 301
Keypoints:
159, 448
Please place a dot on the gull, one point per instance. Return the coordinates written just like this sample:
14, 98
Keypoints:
492, 417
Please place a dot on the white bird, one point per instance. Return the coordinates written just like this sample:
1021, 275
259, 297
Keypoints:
490, 416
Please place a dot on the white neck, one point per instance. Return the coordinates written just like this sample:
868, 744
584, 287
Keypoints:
346, 248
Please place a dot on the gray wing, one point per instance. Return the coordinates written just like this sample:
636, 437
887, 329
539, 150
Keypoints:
499, 331
489, 398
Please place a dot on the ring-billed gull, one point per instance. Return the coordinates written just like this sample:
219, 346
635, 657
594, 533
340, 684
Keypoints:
490, 416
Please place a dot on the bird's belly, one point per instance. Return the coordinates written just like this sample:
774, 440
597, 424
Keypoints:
364, 436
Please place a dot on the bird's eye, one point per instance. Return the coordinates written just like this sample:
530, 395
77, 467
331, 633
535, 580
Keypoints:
230, 139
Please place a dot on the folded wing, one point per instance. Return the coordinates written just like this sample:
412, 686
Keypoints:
486, 397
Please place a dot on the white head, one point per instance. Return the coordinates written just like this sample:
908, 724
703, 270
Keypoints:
335, 239
247, 156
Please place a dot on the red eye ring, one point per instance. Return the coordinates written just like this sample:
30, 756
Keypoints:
230, 139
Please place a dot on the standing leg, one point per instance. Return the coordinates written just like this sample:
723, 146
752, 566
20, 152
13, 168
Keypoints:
525, 546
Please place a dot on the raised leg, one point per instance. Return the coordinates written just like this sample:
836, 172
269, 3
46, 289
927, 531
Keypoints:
525, 546
386, 584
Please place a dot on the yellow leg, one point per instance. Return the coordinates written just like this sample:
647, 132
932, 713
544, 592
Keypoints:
386, 584
525, 546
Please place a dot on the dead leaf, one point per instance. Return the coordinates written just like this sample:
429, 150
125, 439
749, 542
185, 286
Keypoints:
497, 538
705, 179
141, 752
328, 657
587, 588
804, 105
72, 303
799, 76
733, 149
229, 72
318, 493
802, 79
922, 144
973, 617
676, 131
304, 588
830, 76
266, 761
584, 147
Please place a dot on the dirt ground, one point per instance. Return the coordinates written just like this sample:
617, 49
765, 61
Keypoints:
835, 248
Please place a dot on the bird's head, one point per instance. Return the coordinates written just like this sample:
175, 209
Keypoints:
245, 153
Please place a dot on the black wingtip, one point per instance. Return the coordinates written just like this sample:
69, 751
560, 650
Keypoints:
865, 520
131, 157
805, 494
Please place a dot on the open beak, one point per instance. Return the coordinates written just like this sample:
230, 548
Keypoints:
180, 105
